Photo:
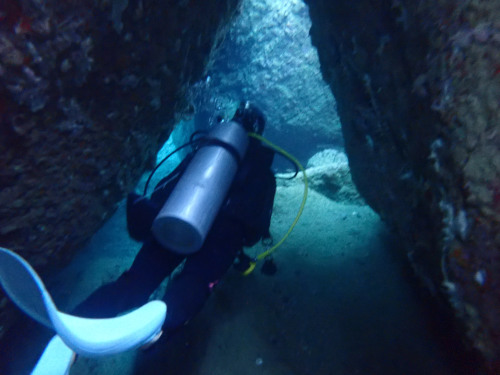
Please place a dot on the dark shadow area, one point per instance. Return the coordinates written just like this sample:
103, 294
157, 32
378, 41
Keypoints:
26, 341
439, 317
179, 354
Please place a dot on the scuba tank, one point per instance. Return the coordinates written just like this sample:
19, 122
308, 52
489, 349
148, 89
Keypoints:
188, 214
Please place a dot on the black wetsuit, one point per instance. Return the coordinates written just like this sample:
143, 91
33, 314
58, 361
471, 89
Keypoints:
242, 221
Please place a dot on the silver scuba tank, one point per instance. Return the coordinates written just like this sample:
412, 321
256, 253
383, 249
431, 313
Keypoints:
190, 210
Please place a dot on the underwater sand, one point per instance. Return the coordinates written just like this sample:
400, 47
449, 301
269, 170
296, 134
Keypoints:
341, 303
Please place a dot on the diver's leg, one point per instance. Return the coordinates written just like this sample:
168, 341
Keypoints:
187, 292
151, 266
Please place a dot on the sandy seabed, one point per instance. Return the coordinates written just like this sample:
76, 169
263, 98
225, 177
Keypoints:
342, 302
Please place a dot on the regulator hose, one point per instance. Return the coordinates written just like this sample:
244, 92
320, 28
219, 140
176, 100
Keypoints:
278, 149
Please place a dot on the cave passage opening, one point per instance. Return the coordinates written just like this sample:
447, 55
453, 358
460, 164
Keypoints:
340, 266
267, 57
341, 302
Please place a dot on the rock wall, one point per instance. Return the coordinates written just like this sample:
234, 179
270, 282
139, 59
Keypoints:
88, 93
267, 58
417, 85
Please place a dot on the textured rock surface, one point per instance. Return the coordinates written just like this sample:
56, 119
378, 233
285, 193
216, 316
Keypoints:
327, 173
417, 85
267, 57
88, 93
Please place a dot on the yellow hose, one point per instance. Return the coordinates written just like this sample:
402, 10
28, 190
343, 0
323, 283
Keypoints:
303, 203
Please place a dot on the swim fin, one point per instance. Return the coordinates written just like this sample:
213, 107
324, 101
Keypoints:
87, 337
56, 359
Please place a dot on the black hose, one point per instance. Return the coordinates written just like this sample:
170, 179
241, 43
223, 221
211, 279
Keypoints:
190, 143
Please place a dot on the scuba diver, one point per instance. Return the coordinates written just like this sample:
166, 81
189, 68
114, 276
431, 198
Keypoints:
197, 220
178, 231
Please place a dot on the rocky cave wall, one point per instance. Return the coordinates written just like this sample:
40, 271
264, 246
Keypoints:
417, 85
89, 90
88, 93
267, 58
